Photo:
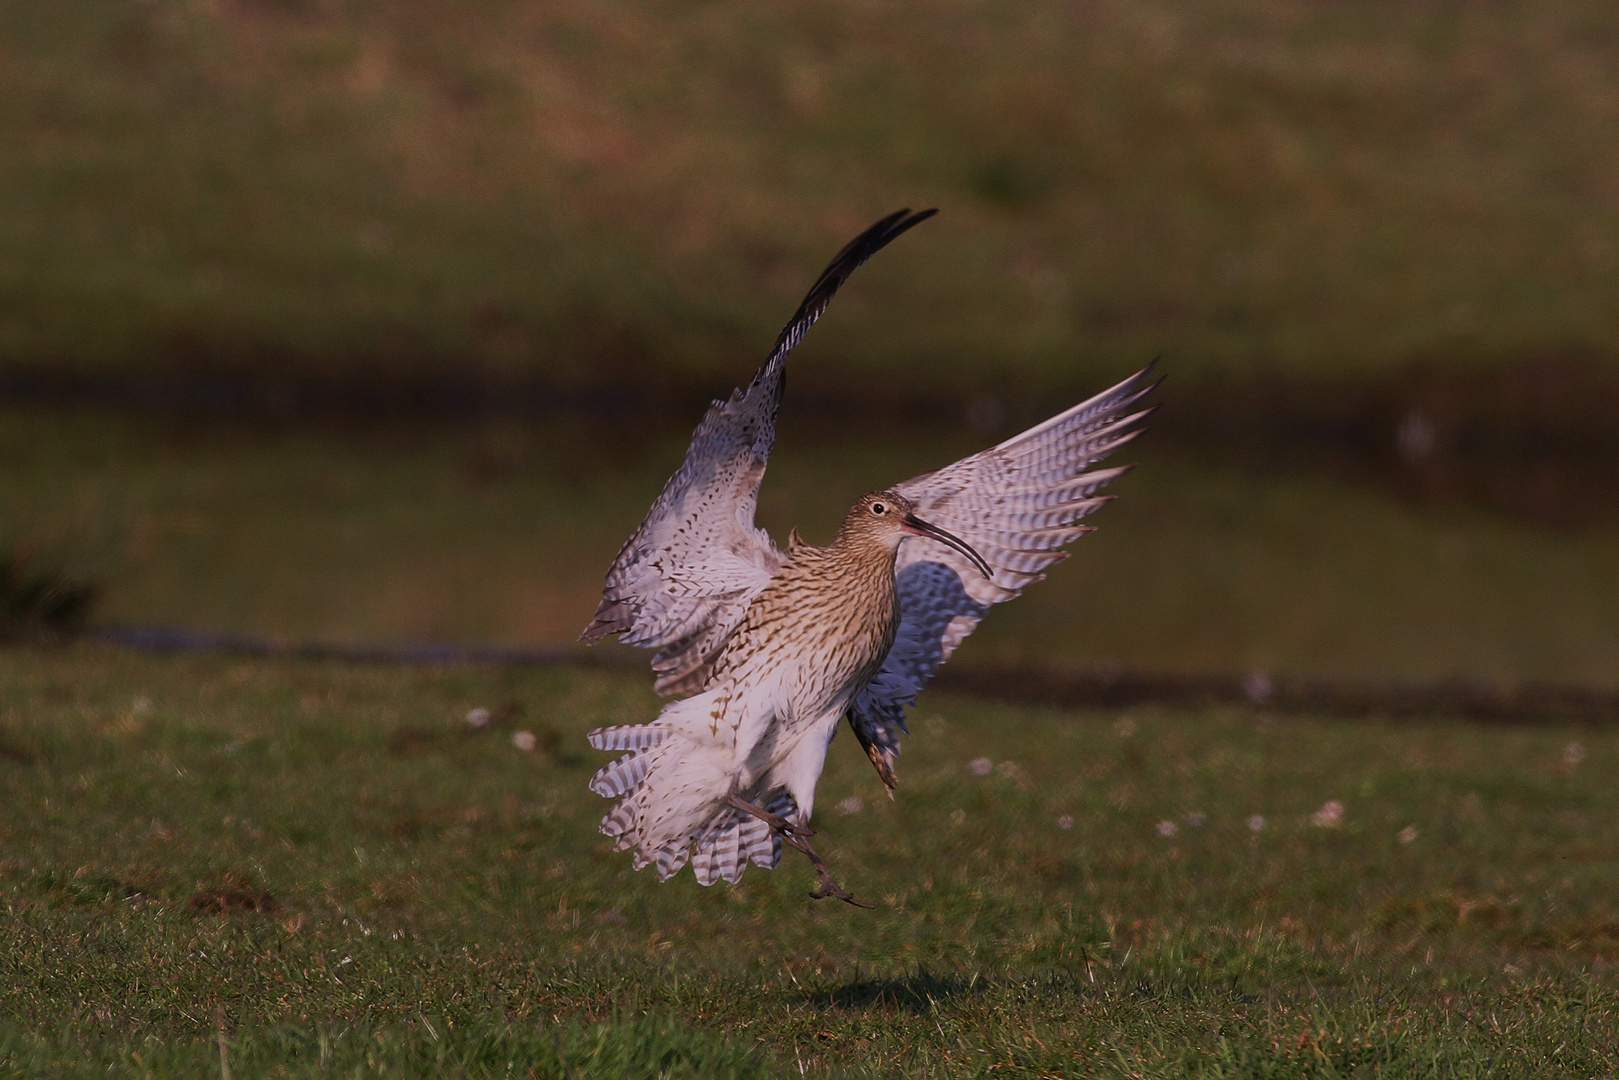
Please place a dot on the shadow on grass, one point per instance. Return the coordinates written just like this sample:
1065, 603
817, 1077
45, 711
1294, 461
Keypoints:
920, 992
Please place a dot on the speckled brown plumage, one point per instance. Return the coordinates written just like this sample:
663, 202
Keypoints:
837, 605
807, 643
768, 649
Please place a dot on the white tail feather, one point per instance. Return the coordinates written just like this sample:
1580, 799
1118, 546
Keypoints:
627, 737
623, 775
729, 860
671, 859
672, 782
725, 850
760, 844
702, 864
618, 822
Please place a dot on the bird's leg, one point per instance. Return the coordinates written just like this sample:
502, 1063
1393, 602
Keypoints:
829, 885
798, 836
775, 821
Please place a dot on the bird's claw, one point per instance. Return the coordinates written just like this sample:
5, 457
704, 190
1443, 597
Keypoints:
830, 887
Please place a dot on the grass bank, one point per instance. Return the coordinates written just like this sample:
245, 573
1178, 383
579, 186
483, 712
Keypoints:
595, 191
332, 864
501, 532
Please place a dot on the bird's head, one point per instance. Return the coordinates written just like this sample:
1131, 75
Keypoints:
884, 518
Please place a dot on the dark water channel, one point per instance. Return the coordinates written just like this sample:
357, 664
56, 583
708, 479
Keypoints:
501, 532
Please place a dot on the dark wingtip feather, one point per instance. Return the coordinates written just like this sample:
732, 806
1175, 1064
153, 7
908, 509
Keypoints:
1152, 386
882, 233
611, 618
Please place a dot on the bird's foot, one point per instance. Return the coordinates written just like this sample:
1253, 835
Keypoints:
829, 885
798, 836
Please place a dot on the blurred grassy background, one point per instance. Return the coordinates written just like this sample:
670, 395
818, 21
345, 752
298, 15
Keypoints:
1377, 244
501, 532
585, 191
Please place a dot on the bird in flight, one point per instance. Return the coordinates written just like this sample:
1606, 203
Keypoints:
766, 649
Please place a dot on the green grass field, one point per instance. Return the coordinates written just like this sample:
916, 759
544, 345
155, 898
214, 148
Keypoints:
329, 870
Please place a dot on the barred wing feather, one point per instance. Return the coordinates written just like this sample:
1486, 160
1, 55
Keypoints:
1018, 504
682, 581
685, 576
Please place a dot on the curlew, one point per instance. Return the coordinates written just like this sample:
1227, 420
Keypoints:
766, 649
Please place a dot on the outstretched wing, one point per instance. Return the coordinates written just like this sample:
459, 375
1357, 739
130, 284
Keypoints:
681, 583
1017, 504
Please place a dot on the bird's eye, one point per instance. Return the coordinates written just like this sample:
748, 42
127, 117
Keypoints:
879, 508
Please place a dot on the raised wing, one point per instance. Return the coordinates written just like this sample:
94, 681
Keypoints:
681, 583
1017, 504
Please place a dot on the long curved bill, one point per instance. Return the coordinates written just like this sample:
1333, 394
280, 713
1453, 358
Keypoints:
917, 527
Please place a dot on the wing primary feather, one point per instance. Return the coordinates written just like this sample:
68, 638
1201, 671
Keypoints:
843, 264
1110, 400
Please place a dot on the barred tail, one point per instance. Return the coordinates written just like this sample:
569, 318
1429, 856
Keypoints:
628, 737
737, 839
719, 852
671, 783
624, 775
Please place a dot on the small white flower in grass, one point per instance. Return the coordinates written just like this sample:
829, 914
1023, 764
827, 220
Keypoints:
851, 806
1409, 834
524, 740
478, 717
1573, 754
141, 706
1330, 816
980, 766
1166, 829
1065, 822
1256, 823
1197, 819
